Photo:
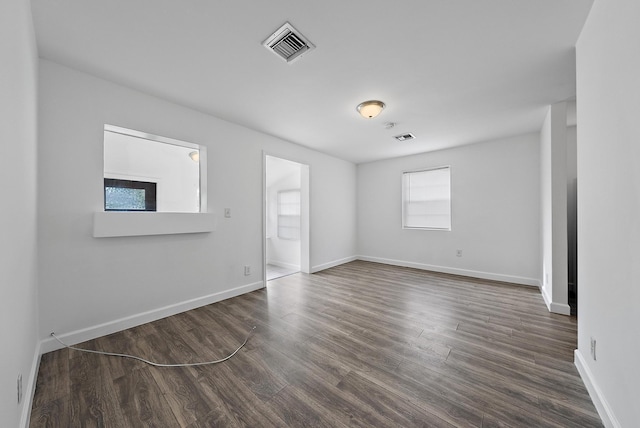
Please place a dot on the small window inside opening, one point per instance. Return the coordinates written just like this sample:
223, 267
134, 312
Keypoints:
129, 195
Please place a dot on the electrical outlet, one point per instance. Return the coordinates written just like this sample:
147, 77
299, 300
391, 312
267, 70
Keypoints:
20, 388
459, 253
247, 270
227, 212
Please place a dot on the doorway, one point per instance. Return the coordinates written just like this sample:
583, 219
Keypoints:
286, 217
572, 241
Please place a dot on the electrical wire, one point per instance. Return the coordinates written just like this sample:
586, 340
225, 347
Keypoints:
113, 354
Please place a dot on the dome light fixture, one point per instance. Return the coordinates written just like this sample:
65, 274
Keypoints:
370, 109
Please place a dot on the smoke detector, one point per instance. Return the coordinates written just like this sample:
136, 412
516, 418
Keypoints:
288, 43
405, 137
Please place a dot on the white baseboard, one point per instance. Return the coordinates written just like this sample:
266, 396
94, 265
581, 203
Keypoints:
71, 338
284, 265
30, 389
599, 401
556, 308
545, 295
560, 308
455, 271
331, 264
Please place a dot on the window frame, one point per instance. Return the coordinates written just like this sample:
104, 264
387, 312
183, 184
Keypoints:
404, 201
110, 224
280, 215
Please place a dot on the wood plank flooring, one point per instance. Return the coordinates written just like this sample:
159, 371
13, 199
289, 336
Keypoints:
361, 344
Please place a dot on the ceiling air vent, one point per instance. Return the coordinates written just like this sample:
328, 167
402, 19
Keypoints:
405, 137
288, 43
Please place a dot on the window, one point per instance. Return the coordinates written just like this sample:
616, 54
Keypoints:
426, 199
128, 195
144, 172
289, 214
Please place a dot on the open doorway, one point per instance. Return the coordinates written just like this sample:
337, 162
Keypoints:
572, 241
286, 217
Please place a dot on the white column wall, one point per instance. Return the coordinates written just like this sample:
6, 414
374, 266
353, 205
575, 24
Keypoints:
608, 95
18, 252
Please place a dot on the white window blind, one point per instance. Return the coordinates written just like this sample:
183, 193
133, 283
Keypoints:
426, 199
289, 214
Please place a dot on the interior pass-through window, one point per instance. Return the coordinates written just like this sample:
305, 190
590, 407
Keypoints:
145, 172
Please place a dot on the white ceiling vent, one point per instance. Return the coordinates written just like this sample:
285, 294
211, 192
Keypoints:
405, 137
288, 43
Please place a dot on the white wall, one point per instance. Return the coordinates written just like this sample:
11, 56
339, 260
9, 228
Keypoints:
18, 254
553, 204
608, 95
85, 282
495, 212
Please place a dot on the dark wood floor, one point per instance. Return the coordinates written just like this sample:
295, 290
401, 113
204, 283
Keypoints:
362, 344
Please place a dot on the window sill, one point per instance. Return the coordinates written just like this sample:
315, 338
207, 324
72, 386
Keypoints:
444, 229
113, 224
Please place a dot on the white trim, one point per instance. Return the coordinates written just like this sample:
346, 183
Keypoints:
599, 401
114, 224
147, 136
264, 217
545, 295
560, 308
27, 403
556, 308
203, 179
333, 263
49, 344
455, 271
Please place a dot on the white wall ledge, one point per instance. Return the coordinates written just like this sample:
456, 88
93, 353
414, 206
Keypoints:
113, 224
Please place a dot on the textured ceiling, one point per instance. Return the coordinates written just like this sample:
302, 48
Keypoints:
452, 72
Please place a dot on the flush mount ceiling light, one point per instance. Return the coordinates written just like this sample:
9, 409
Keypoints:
370, 109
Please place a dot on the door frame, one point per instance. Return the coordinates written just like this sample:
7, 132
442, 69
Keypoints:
305, 213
